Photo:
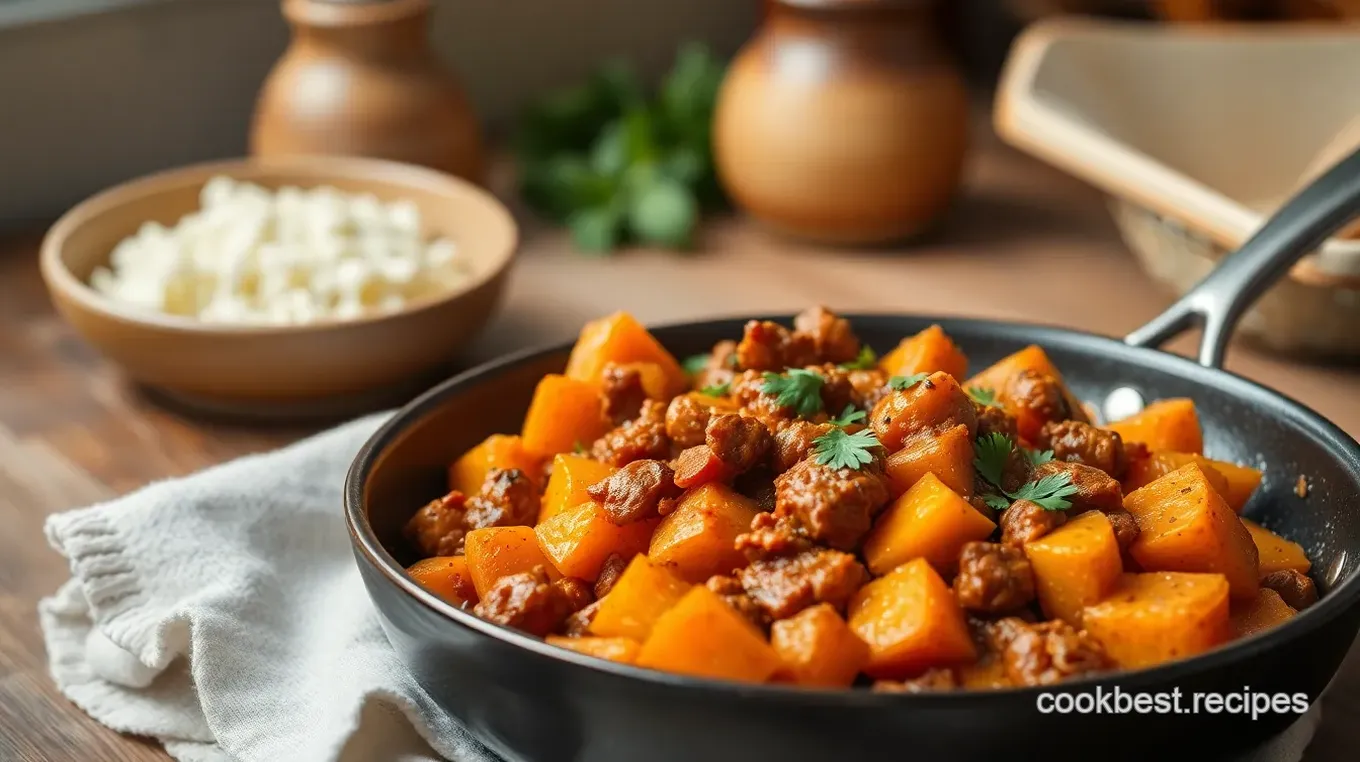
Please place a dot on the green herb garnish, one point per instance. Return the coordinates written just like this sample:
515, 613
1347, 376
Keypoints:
990, 455
867, 360
1050, 492
1036, 457
839, 449
717, 390
903, 383
848, 416
996, 502
579, 448
694, 363
982, 395
800, 390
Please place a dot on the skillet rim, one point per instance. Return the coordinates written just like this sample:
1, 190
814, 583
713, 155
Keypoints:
1344, 449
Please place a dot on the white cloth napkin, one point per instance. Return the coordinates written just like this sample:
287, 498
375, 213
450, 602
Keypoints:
223, 614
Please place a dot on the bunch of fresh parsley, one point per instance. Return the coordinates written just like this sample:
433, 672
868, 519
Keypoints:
615, 164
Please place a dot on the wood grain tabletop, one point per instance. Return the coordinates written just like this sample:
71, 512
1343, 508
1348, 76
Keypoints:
1024, 243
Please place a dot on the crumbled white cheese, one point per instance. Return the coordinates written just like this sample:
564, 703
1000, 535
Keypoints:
292, 256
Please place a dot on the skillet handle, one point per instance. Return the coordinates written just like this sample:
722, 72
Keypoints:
1218, 301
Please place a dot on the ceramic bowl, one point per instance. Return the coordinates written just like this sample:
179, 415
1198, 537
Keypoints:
323, 368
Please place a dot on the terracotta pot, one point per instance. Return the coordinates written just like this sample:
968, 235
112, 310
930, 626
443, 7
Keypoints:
360, 79
843, 121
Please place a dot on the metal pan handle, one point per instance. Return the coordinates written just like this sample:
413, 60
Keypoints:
1218, 301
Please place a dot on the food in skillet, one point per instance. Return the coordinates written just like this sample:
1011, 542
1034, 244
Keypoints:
791, 508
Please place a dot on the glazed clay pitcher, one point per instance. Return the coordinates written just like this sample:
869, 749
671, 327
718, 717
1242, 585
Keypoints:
843, 121
360, 79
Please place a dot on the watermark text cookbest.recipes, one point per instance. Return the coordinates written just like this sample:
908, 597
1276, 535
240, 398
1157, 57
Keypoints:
1115, 700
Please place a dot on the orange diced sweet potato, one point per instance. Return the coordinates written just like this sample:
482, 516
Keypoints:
911, 622
1242, 482
643, 592
1263, 612
496, 451
1185, 525
620, 338
579, 540
1170, 424
948, 455
1235, 483
564, 413
623, 650
495, 552
1275, 552
656, 384
446, 577
818, 647
1160, 616
1075, 565
702, 635
696, 539
935, 402
929, 351
571, 476
928, 521
1034, 359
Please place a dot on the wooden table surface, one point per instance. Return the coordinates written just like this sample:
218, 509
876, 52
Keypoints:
1025, 243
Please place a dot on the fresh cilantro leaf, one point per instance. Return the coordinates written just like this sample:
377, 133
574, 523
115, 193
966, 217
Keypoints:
867, 360
982, 395
902, 383
716, 390
800, 389
1050, 492
848, 416
694, 363
990, 455
1037, 458
579, 448
996, 502
838, 449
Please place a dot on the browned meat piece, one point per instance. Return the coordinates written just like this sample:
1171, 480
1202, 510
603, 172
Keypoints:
731, 591
832, 338
634, 492
720, 368
528, 602
1125, 528
794, 443
868, 386
994, 420
738, 441
577, 592
837, 392
1078, 442
770, 346
930, 681
786, 585
757, 484
1046, 653
1025, 522
1040, 396
609, 574
642, 438
993, 579
835, 507
578, 624
508, 499
1295, 588
747, 389
686, 421
622, 390
438, 528
1096, 490
770, 537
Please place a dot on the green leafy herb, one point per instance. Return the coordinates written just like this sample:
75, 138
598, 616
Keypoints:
982, 395
1036, 457
902, 383
579, 448
1050, 492
990, 454
800, 390
839, 449
716, 390
694, 363
996, 502
848, 416
867, 360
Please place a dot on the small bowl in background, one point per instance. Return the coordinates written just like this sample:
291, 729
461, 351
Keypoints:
325, 368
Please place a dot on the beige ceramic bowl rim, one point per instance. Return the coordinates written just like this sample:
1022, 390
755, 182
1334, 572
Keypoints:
325, 169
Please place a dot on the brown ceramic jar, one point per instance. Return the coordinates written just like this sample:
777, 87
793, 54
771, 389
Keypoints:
843, 121
360, 79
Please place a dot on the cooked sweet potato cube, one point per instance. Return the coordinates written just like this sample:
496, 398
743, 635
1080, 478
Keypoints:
1160, 616
818, 648
496, 451
989, 671
1264, 611
563, 414
1035, 360
702, 635
623, 650
495, 552
571, 476
1075, 565
579, 540
929, 351
446, 577
948, 455
911, 622
643, 592
935, 403
928, 521
1275, 552
1170, 424
1235, 483
1185, 525
696, 539
620, 338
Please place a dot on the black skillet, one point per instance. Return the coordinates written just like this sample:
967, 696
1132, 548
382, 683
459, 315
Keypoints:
530, 701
